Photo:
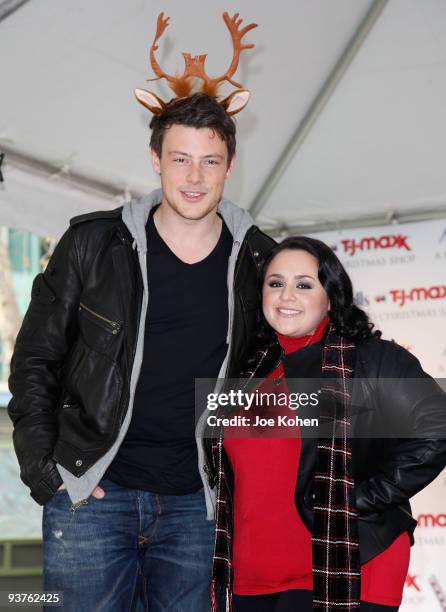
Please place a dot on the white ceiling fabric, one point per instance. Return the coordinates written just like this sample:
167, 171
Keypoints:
378, 146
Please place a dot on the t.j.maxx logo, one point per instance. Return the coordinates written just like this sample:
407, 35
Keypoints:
411, 581
372, 242
417, 294
431, 520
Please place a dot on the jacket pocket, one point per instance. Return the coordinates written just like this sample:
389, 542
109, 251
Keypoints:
98, 330
90, 405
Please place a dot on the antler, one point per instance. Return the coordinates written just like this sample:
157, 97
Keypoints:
161, 25
233, 24
178, 84
194, 66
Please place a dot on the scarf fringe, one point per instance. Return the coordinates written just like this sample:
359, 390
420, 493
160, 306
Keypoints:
213, 596
228, 597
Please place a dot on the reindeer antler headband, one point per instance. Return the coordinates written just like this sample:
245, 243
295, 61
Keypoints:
194, 68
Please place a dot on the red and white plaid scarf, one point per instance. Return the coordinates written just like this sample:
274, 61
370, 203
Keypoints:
336, 567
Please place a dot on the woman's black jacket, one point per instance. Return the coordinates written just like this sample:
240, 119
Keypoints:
395, 396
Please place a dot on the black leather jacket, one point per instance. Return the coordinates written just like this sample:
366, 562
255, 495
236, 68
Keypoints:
387, 471
71, 367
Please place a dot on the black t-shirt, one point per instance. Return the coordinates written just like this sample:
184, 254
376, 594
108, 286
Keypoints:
185, 338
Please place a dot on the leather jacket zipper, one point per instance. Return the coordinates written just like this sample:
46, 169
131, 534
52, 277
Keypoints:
114, 324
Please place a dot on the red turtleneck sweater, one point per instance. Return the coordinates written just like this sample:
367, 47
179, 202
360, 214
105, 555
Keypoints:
272, 546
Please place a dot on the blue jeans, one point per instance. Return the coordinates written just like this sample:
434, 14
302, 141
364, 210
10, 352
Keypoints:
132, 550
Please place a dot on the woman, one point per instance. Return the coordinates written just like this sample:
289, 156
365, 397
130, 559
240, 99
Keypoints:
324, 523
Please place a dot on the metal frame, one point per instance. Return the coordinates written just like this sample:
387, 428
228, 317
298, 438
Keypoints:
33, 165
391, 218
7, 7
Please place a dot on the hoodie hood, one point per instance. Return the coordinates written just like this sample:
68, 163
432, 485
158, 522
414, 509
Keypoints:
136, 212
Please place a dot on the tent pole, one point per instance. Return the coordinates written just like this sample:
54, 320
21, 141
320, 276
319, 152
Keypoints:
317, 106
7, 7
86, 184
391, 218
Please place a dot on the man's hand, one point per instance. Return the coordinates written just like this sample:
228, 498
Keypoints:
99, 493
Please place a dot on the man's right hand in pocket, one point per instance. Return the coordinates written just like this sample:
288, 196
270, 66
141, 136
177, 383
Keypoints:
98, 492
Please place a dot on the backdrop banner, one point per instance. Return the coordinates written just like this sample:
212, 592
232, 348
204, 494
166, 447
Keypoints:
399, 278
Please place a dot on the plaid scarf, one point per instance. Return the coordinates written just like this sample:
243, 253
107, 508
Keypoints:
335, 546
221, 592
336, 568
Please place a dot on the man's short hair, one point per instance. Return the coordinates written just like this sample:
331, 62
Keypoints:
197, 111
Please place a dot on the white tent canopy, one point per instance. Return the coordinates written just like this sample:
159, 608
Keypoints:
346, 125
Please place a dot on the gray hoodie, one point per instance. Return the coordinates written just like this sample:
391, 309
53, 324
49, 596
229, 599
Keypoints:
135, 214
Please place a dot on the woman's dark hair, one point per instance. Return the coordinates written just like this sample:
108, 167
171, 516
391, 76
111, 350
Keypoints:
349, 321
197, 111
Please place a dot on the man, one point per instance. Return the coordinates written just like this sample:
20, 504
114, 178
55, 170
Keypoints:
135, 304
